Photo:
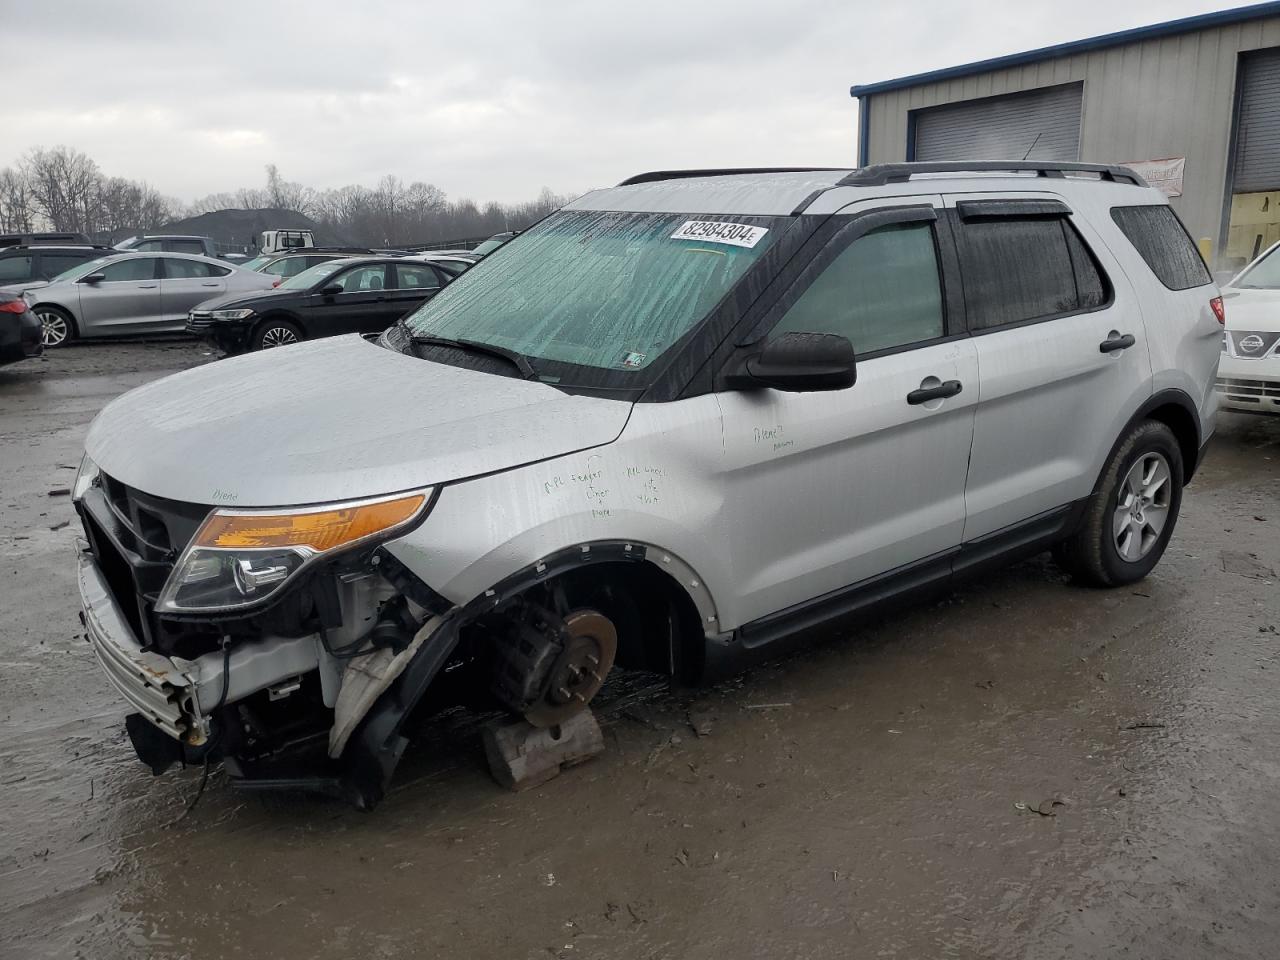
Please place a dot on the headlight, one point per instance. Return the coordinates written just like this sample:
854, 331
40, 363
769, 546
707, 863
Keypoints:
86, 477
231, 314
239, 558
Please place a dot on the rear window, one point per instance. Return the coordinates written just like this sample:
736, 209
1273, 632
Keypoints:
1020, 269
1163, 242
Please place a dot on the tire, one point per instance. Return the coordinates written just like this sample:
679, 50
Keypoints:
1131, 517
275, 333
58, 328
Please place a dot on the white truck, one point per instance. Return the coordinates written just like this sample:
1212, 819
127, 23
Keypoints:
283, 241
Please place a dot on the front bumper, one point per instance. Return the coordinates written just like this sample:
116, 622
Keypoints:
178, 696
1249, 386
229, 336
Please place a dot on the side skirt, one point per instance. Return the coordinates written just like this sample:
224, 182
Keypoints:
769, 635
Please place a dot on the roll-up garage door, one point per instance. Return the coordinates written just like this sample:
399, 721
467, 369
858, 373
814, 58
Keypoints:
1045, 122
1257, 165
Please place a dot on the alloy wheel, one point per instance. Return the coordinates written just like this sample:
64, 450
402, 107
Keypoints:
1142, 506
278, 337
54, 329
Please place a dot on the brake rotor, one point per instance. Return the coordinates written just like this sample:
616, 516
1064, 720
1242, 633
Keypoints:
591, 644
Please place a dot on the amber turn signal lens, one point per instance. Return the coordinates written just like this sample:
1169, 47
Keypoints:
320, 531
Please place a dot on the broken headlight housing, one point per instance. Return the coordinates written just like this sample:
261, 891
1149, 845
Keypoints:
86, 477
240, 558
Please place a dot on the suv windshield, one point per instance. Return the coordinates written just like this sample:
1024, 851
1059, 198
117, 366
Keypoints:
1263, 275
310, 277
605, 290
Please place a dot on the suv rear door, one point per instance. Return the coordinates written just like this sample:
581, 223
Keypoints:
1062, 354
828, 489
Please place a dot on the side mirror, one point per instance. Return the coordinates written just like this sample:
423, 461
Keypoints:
331, 290
93, 278
796, 363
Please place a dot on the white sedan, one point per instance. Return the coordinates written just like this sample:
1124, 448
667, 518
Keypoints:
1249, 373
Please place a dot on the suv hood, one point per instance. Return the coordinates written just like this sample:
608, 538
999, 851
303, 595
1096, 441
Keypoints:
335, 419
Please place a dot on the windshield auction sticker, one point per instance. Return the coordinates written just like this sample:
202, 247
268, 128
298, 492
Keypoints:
712, 231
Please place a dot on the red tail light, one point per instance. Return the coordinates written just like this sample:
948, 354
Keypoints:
14, 306
1219, 310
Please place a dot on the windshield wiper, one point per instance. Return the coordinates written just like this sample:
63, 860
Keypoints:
516, 359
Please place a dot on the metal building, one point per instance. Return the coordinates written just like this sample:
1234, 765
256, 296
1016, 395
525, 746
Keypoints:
1193, 104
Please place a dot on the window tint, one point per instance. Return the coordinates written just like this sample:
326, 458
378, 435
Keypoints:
176, 269
148, 245
882, 291
135, 268
1159, 236
372, 277
184, 246
1018, 269
411, 277
15, 268
52, 264
1090, 286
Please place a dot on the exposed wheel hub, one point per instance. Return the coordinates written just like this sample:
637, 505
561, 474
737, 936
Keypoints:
591, 644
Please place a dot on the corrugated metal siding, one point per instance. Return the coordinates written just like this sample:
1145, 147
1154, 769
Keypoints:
1166, 97
1038, 124
1258, 138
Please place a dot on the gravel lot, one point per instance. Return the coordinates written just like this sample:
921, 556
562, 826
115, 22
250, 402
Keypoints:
1024, 769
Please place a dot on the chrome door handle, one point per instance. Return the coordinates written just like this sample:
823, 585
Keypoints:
947, 388
1116, 342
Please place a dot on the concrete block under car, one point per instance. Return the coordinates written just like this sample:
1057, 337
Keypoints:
521, 755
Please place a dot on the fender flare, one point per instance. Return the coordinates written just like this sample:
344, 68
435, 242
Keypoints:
1161, 398
375, 746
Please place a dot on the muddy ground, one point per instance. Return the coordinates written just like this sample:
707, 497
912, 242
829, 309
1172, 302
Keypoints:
1025, 769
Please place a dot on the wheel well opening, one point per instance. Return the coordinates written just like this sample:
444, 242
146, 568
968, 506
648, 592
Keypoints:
1185, 429
659, 628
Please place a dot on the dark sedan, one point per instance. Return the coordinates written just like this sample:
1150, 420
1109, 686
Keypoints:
354, 295
19, 330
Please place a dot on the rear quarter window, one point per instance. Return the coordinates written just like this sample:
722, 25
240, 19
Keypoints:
1163, 242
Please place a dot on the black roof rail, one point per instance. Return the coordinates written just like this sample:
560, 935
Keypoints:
879, 174
656, 175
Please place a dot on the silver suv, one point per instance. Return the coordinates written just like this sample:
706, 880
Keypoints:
669, 426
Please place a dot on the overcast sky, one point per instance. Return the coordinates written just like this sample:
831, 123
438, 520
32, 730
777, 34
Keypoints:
489, 99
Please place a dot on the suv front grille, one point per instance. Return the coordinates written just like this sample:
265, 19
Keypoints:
199, 319
1248, 390
136, 539
1250, 344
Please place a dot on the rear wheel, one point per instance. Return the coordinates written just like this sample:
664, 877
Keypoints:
57, 327
276, 333
1130, 519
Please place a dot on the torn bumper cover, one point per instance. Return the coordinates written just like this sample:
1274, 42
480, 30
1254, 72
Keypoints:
175, 699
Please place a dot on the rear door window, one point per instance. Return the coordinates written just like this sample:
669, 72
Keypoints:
883, 291
1163, 242
52, 264
176, 269
416, 277
1023, 269
184, 246
15, 268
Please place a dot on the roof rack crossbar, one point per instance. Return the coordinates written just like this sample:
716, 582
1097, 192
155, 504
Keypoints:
657, 175
880, 174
